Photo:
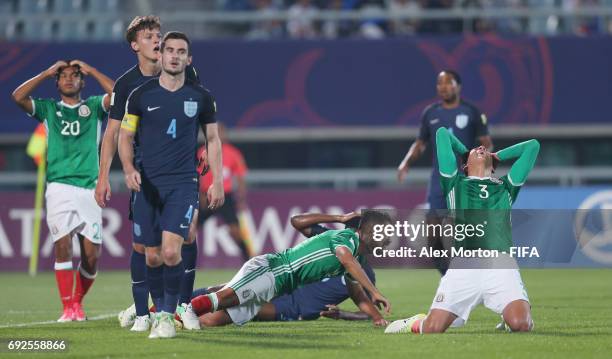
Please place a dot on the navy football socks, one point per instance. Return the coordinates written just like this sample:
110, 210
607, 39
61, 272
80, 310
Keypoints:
155, 278
189, 252
172, 282
140, 287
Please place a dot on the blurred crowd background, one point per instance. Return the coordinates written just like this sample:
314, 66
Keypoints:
356, 75
305, 19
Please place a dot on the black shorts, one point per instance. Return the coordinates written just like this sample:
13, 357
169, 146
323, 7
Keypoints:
227, 212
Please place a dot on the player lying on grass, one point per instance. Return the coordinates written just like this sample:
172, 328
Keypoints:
315, 299
312, 300
266, 277
73, 129
498, 283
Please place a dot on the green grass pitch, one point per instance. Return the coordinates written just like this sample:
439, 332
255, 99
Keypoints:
572, 311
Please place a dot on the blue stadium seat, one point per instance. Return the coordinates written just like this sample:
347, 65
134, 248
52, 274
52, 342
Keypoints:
106, 7
7, 6
65, 6
542, 25
43, 30
73, 30
33, 6
108, 30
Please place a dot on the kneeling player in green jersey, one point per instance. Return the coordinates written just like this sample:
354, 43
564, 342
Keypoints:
478, 197
265, 277
73, 130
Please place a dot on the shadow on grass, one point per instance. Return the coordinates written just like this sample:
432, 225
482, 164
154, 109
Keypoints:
255, 341
536, 332
564, 334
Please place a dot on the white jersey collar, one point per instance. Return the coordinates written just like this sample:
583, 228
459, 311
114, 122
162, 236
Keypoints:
62, 103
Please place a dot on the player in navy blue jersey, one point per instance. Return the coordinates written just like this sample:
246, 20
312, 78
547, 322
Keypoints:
462, 119
164, 116
313, 300
144, 36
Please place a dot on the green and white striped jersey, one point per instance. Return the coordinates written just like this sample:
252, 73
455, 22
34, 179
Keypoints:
73, 134
312, 260
487, 201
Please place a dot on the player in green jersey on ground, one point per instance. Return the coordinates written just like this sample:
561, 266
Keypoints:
73, 132
265, 277
475, 199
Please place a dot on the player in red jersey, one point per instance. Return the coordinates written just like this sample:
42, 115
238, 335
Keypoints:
234, 169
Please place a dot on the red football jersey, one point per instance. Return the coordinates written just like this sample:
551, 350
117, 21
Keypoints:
233, 166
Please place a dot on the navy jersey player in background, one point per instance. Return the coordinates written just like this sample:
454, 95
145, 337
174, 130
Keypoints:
462, 119
164, 115
144, 37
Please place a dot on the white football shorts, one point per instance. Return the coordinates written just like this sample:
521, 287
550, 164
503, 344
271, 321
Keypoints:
254, 286
461, 290
72, 209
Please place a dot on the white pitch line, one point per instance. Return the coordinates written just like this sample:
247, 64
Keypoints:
20, 325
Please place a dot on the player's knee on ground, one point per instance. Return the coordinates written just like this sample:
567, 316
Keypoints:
208, 322
517, 316
434, 325
216, 319
519, 324
437, 321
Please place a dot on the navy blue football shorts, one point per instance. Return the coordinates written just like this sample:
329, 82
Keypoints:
162, 209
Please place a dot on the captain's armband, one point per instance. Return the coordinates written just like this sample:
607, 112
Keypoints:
130, 122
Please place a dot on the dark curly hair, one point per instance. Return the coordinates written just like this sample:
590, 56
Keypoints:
61, 69
454, 74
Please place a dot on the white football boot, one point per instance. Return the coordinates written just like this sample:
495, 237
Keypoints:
502, 326
154, 326
166, 328
188, 317
404, 325
127, 317
141, 324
